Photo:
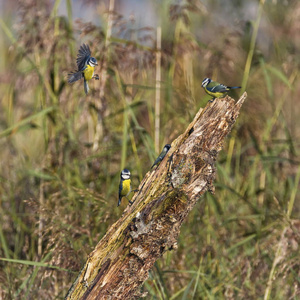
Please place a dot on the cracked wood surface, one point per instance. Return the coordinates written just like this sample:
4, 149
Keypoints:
120, 262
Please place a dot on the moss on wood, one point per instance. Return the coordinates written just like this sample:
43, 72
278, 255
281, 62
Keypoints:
150, 226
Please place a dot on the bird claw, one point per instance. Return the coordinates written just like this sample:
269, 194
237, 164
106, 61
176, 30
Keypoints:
96, 76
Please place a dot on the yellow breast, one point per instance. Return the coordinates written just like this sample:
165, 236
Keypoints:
88, 72
125, 188
216, 94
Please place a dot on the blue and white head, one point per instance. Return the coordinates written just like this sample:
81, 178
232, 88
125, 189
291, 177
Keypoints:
166, 148
125, 174
92, 62
206, 81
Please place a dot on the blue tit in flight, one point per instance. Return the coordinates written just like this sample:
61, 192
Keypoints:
162, 155
216, 89
85, 67
125, 185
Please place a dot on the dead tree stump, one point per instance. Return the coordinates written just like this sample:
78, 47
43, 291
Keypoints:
120, 263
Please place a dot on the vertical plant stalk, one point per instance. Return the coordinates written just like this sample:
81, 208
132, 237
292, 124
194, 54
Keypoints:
267, 133
124, 138
135, 152
279, 252
157, 89
56, 80
187, 66
41, 220
70, 14
125, 121
230, 151
103, 75
34, 65
268, 136
70, 24
262, 186
184, 60
277, 259
252, 46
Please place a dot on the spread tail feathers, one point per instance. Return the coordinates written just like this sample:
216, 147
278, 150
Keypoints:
72, 77
86, 87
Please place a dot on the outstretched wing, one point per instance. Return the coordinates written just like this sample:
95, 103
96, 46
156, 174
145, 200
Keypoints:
74, 76
83, 56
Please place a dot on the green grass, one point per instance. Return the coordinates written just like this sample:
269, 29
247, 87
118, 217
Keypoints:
62, 151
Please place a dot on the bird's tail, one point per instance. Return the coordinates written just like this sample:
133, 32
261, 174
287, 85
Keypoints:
234, 87
74, 76
86, 87
155, 163
119, 202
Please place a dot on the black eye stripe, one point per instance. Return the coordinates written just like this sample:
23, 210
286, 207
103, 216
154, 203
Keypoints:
92, 61
206, 81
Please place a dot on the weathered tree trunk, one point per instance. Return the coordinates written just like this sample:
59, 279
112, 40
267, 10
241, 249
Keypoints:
150, 226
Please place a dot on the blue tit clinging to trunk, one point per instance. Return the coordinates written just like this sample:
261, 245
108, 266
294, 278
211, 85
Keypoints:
85, 67
216, 89
161, 155
125, 185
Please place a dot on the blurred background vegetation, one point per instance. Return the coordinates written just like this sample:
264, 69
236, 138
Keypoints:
62, 152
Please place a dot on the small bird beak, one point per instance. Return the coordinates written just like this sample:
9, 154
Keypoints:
96, 64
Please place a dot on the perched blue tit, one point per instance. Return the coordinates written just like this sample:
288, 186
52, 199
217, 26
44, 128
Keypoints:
216, 89
161, 155
125, 185
85, 67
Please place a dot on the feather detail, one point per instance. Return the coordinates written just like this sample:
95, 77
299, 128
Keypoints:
157, 162
119, 202
234, 87
216, 89
74, 76
83, 56
86, 87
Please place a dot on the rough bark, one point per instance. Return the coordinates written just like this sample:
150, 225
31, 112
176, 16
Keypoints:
150, 226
